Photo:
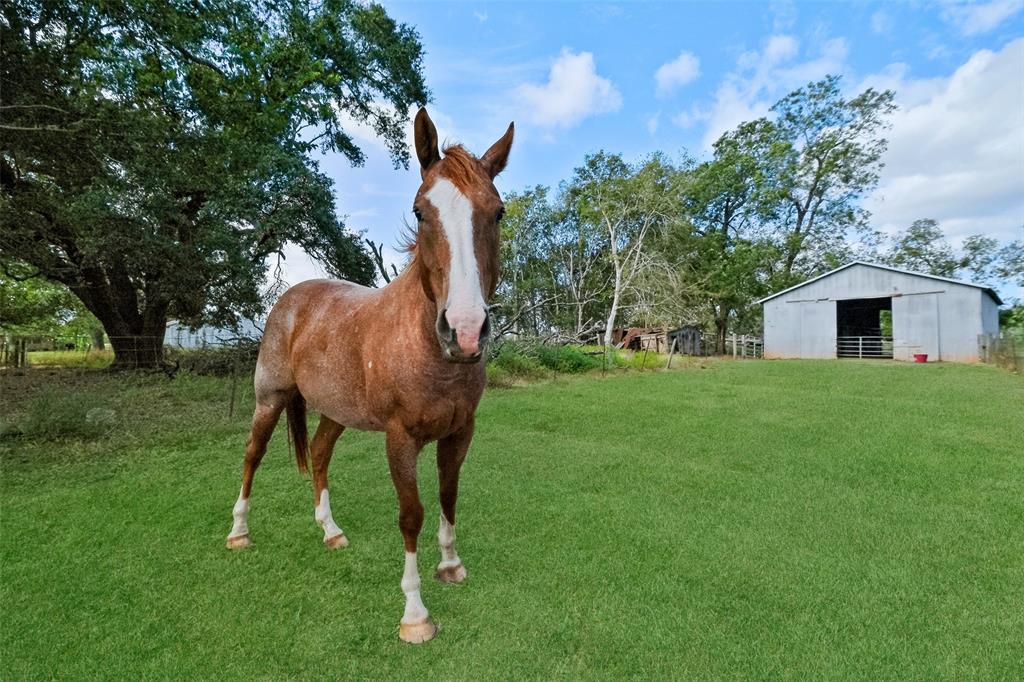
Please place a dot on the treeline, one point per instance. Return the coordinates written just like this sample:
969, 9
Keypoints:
669, 242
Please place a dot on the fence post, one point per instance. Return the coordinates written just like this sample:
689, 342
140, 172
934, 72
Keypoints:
733, 336
860, 347
671, 350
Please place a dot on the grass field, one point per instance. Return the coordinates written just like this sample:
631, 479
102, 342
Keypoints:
769, 520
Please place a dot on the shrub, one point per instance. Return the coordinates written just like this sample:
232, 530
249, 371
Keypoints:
216, 361
567, 359
498, 377
54, 414
653, 360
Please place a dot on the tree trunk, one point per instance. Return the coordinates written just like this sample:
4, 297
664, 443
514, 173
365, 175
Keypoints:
97, 339
142, 351
137, 337
610, 325
721, 331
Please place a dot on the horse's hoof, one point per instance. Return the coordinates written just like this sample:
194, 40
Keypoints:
337, 542
451, 574
238, 542
417, 633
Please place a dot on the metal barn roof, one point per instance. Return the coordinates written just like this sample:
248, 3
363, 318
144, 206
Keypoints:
987, 290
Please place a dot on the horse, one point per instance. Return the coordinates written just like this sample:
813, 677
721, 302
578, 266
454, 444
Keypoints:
405, 359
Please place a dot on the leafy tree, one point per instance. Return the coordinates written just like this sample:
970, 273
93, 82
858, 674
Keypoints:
1010, 264
153, 154
722, 204
923, 248
525, 285
38, 307
627, 203
821, 154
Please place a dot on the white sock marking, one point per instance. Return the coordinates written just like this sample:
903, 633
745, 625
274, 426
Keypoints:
240, 512
322, 514
446, 538
465, 304
415, 611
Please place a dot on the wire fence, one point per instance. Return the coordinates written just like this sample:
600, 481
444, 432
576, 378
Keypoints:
23, 351
1002, 350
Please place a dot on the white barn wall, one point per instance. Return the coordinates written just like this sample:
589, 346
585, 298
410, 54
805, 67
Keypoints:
989, 316
933, 316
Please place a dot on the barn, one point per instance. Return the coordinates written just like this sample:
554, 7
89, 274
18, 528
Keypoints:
870, 310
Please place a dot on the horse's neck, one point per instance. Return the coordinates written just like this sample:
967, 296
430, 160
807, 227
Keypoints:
409, 303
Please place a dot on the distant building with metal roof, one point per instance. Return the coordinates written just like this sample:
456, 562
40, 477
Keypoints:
870, 310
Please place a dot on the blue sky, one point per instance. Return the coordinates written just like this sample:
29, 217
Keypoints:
641, 77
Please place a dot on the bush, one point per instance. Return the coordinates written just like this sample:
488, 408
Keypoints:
54, 414
524, 360
216, 361
567, 359
498, 377
653, 360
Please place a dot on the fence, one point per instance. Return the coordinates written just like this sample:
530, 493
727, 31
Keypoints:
1002, 350
745, 346
82, 351
864, 347
740, 346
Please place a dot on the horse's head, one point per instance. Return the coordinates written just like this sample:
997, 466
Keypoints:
458, 210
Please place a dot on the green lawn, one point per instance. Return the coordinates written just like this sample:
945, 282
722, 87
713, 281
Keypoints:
798, 520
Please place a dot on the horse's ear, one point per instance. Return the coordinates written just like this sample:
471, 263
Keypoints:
426, 141
497, 156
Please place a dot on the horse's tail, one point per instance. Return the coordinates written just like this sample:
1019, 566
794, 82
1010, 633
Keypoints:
298, 434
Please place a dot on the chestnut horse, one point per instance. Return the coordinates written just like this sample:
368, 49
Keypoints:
405, 359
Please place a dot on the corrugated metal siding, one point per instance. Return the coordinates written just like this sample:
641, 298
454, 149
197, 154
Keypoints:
989, 316
942, 319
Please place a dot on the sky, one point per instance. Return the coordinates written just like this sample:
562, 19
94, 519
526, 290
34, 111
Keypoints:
636, 78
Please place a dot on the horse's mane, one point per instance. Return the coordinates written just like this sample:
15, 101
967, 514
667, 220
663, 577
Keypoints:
462, 168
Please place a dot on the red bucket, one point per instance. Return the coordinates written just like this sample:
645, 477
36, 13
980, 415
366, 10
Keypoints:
920, 357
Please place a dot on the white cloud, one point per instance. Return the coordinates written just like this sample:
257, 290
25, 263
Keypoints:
652, 123
674, 74
956, 148
881, 22
572, 93
973, 18
783, 15
480, 16
688, 119
760, 79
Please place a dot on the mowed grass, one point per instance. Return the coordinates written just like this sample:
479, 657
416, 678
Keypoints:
769, 520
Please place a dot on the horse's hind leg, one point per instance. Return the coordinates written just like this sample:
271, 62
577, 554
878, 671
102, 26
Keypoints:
264, 419
321, 449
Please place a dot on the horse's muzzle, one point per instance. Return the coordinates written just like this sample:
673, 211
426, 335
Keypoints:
449, 339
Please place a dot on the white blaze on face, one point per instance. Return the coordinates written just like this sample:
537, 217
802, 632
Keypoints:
465, 305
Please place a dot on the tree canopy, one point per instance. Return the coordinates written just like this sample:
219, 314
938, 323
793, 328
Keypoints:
154, 154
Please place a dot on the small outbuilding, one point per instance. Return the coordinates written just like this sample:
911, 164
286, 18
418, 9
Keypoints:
870, 310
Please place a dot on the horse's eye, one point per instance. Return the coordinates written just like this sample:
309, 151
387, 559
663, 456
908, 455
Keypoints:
501, 214
416, 212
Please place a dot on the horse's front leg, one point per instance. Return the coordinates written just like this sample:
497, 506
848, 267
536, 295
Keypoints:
451, 453
403, 449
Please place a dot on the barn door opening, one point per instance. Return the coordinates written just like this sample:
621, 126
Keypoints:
864, 328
